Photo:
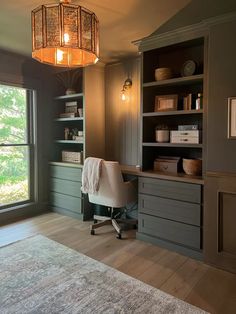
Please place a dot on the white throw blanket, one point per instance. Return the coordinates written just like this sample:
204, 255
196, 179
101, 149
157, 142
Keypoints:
91, 175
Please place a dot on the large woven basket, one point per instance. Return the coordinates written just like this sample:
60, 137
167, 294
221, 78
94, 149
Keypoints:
163, 74
192, 166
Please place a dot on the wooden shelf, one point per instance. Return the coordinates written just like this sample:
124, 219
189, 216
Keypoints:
66, 164
67, 97
177, 81
150, 144
68, 119
69, 142
172, 113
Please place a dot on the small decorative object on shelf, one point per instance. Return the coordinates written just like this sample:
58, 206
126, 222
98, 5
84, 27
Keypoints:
71, 106
188, 137
167, 164
192, 166
163, 74
66, 133
199, 101
80, 112
187, 127
189, 68
166, 102
162, 134
74, 157
68, 115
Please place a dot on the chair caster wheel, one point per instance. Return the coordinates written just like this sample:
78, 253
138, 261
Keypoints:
119, 236
92, 232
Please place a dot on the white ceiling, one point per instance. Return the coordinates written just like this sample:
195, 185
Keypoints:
121, 22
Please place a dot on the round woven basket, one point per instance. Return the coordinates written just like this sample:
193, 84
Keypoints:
192, 166
163, 74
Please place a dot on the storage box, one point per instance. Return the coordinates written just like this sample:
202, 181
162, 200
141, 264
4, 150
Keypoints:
75, 157
187, 137
167, 164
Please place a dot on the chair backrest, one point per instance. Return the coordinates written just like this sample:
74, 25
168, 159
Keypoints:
112, 190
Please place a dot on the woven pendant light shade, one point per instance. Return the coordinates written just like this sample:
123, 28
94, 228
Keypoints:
65, 35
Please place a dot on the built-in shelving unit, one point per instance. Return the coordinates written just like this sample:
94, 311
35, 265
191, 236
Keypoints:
170, 201
172, 57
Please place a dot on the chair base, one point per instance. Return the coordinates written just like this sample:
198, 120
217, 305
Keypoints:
104, 220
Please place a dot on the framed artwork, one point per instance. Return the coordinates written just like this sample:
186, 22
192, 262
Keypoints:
166, 102
232, 117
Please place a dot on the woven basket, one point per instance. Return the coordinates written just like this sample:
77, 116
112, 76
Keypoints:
163, 74
192, 166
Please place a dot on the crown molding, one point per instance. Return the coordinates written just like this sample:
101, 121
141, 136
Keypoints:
189, 32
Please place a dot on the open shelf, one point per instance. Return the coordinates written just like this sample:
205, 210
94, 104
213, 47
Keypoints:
177, 81
65, 164
69, 142
150, 144
67, 97
172, 113
68, 119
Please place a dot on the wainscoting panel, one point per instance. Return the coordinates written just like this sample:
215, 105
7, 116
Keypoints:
122, 117
220, 220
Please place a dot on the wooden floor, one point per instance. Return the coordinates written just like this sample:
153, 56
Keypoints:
209, 288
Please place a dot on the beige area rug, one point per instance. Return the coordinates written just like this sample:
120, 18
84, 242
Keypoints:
38, 275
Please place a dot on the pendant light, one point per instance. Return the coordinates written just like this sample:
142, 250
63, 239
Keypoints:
65, 34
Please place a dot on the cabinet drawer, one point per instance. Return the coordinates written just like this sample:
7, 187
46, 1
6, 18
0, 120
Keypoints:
72, 188
66, 201
171, 189
67, 173
170, 209
176, 232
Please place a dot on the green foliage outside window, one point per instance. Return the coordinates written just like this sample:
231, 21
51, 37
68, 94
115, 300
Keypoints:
13, 159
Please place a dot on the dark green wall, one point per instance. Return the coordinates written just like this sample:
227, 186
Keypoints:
221, 154
18, 69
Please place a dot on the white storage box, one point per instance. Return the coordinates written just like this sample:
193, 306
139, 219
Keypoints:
188, 137
76, 157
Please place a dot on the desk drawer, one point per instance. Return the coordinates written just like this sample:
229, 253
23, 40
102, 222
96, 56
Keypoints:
67, 202
170, 230
171, 189
66, 173
170, 209
72, 188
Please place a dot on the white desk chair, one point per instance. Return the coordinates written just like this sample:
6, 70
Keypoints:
113, 192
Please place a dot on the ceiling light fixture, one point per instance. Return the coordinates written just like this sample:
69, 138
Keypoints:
65, 34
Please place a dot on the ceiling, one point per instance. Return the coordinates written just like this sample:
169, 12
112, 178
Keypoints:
121, 22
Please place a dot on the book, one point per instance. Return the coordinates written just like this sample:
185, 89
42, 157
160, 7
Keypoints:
68, 115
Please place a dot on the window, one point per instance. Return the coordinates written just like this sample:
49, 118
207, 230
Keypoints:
16, 146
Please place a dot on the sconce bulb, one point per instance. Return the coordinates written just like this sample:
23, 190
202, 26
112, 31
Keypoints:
123, 95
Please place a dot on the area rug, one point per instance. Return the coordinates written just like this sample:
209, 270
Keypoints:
38, 275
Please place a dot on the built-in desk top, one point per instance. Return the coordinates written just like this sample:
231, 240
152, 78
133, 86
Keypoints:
181, 177
132, 170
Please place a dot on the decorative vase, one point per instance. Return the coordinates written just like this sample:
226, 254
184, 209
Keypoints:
162, 136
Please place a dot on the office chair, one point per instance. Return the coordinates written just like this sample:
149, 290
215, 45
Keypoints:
113, 192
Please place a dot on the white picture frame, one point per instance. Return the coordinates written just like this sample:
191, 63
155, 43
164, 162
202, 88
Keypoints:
232, 117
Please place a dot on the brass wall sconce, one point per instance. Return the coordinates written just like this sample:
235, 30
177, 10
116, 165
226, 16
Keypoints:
127, 85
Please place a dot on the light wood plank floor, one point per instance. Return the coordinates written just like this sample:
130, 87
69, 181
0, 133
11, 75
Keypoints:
209, 288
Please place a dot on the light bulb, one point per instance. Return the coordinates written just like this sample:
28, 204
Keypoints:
59, 55
123, 97
66, 38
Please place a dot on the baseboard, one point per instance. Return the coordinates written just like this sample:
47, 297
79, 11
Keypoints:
170, 246
22, 212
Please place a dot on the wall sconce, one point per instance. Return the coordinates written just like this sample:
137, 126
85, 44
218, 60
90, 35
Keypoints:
127, 85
